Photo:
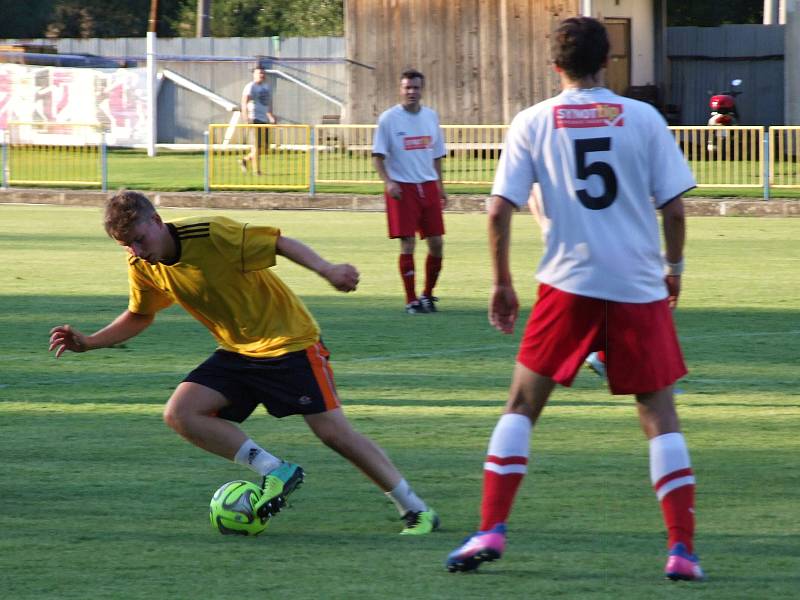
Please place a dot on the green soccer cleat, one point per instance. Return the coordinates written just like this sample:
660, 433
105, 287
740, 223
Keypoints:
276, 487
420, 523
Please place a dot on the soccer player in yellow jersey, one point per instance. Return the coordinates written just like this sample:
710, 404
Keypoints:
269, 351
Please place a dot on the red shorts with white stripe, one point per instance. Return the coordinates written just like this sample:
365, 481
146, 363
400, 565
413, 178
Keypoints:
419, 210
642, 350
296, 383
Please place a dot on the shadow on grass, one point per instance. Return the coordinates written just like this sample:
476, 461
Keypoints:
375, 344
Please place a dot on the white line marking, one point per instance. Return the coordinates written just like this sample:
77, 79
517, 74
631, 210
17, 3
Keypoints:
740, 334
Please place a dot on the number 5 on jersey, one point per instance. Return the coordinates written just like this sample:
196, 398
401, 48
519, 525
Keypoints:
602, 169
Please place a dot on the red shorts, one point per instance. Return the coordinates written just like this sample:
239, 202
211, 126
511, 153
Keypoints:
418, 210
642, 350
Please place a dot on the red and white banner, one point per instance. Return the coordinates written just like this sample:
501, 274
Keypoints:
599, 114
115, 99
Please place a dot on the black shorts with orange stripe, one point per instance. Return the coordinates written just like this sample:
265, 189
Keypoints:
297, 383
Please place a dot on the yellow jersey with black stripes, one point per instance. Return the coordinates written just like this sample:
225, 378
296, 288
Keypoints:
222, 277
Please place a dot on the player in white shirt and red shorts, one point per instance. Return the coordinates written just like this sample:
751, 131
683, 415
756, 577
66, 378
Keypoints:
407, 151
603, 165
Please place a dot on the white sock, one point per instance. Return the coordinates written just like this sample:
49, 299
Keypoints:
511, 437
668, 455
255, 457
405, 499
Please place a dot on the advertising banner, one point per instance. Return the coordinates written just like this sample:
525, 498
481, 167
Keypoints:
114, 99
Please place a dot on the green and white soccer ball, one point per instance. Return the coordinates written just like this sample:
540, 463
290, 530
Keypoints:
232, 509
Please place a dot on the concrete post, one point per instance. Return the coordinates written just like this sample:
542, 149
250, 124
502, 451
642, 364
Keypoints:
791, 63
152, 100
771, 12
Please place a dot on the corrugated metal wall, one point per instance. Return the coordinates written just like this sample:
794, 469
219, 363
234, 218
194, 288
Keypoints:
706, 59
184, 115
121, 47
190, 114
298, 106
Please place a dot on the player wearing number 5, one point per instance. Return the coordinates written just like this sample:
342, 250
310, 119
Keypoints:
604, 164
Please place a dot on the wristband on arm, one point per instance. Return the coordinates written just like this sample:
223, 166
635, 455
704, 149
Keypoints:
673, 269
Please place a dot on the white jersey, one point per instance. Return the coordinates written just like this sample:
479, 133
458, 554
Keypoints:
409, 143
259, 101
602, 163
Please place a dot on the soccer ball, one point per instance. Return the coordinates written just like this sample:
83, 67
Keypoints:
232, 509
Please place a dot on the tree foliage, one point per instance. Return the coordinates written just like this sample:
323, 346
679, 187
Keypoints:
707, 13
303, 18
101, 18
129, 18
24, 19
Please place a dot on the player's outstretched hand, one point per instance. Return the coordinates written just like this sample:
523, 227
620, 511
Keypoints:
673, 289
66, 337
343, 277
503, 308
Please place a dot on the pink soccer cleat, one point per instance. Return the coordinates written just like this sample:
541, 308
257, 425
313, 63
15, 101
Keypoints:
681, 565
484, 546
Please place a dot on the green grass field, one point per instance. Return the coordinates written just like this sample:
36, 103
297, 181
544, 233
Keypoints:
104, 501
171, 171
178, 171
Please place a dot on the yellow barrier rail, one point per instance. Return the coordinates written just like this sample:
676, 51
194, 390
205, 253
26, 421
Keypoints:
723, 156
259, 156
472, 152
344, 154
719, 157
784, 156
298, 157
64, 154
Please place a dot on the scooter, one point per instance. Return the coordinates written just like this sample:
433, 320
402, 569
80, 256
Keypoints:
723, 114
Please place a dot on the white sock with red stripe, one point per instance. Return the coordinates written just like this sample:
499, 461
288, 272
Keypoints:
254, 456
505, 466
673, 481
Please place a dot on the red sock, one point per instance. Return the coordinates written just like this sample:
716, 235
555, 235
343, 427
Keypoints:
407, 275
433, 265
678, 510
499, 492
505, 466
673, 481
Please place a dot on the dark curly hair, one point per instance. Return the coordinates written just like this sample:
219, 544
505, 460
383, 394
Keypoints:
580, 46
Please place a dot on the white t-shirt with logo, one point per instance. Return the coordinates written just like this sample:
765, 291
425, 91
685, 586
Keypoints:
409, 143
259, 101
603, 164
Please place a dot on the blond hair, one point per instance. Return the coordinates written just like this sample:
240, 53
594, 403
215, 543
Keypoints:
124, 211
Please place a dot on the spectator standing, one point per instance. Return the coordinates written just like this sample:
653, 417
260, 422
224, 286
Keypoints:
257, 107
